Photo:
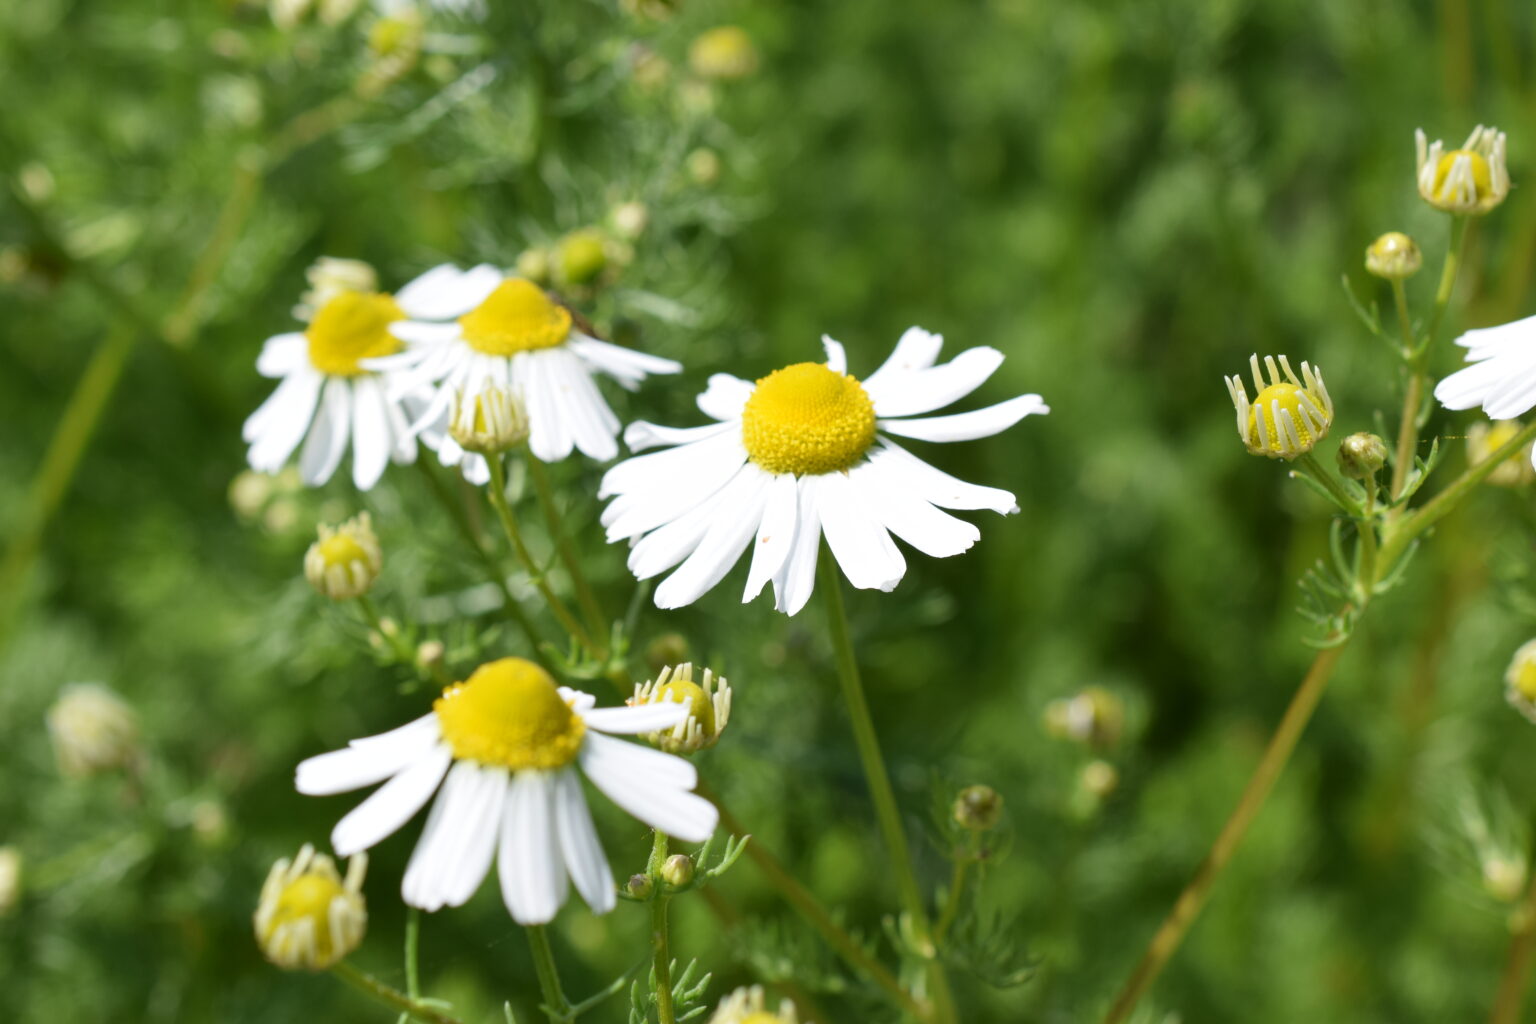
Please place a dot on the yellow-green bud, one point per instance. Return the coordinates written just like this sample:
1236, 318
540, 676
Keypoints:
93, 730
534, 265
1361, 456
309, 917
430, 654
1094, 716
723, 53
629, 219
677, 871
1394, 257
704, 166
490, 422
640, 886
346, 559
1470, 180
581, 257
1100, 778
978, 808
1503, 877
708, 702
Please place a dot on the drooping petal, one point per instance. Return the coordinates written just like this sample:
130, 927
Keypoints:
583, 852
604, 755
859, 542
624, 365
937, 487
549, 435
277, 427
916, 350
735, 523
366, 761
593, 425
532, 870
329, 434
909, 517
641, 435
650, 798
370, 433
392, 804
775, 534
837, 356
793, 585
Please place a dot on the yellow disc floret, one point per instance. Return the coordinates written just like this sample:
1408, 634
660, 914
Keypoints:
509, 713
1482, 175
309, 916
699, 703
516, 317
806, 419
1290, 397
352, 327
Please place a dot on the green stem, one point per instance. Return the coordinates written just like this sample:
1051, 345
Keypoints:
556, 1006
952, 899
661, 953
1404, 321
1517, 966
1187, 907
498, 495
412, 944
886, 810
585, 597
393, 998
392, 637
1308, 462
482, 554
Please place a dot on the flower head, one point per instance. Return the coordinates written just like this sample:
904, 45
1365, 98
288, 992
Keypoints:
489, 422
1483, 439
806, 452
93, 730
479, 328
1288, 416
978, 808
1393, 257
1470, 180
747, 1006
1520, 681
309, 917
504, 751
346, 559
708, 702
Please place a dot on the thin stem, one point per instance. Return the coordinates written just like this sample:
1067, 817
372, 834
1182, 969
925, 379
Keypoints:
1404, 321
1511, 995
498, 495
555, 1004
493, 571
661, 953
393, 998
412, 944
952, 899
584, 594
1190, 902
886, 810
816, 915
1308, 462
389, 635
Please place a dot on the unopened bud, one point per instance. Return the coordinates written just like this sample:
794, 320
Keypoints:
1393, 257
309, 917
1100, 778
1361, 456
708, 702
93, 730
978, 808
629, 219
580, 257
1503, 878
534, 265
724, 53
1094, 716
678, 870
704, 166
346, 559
490, 422
640, 886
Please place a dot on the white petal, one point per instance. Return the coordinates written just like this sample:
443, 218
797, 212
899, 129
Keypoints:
775, 534
417, 730
627, 721
967, 426
670, 497
445, 291
370, 433
909, 517
401, 442
714, 457
533, 882
667, 545
641, 435
859, 542
392, 805
440, 837
905, 394
724, 397
276, 428
937, 487
917, 350
365, 762
418, 333
282, 354
736, 519
459, 863
549, 436
793, 585
621, 759
583, 852
328, 436
1490, 341
1467, 387
593, 425
837, 357
624, 365
651, 799
1514, 396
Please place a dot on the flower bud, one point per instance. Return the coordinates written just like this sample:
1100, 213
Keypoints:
1361, 456
309, 917
629, 219
704, 166
1393, 257
93, 730
346, 559
1289, 415
1483, 439
491, 422
709, 708
10, 878
329, 277
533, 264
394, 43
580, 257
1503, 877
723, 53
1470, 180
747, 1006
640, 886
1520, 681
430, 654
1099, 778
677, 871
978, 808
1094, 716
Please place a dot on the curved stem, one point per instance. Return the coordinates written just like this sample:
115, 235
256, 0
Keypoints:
556, 1005
1314, 469
393, 998
497, 491
584, 594
661, 954
952, 899
1190, 902
886, 810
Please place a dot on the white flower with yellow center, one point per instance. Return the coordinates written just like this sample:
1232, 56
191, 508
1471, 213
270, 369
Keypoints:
477, 329
328, 398
1502, 374
748, 1006
1288, 416
309, 917
505, 746
800, 454
1470, 180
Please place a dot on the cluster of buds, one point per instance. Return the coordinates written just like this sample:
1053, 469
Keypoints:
489, 422
346, 559
747, 1006
587, 257
709, 708
1094, 716
1483, 439
309, 917
1288, 416
1470, 180
93, 730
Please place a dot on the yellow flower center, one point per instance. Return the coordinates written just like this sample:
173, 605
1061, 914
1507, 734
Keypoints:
1289, 396
343, 549
1482, 177
516, 317
509, 713
1525, 678
805, 420
350, 328
307, 897
681, 691
762, 1018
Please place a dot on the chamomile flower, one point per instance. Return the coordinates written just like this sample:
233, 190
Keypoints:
1470, 180
747, 1006
1289, 414
1502, 374
328, 398
478, 328
502, 751
805, 452
310, 915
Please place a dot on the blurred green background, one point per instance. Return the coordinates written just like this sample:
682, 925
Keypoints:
1127, 198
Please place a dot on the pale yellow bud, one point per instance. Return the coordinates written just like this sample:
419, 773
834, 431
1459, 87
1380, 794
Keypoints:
1394, 257
1288, 416
490, 422
310, 917
748, 1006
677, 871
978, 808
93, 730
723, 53
1470, 180
346, 559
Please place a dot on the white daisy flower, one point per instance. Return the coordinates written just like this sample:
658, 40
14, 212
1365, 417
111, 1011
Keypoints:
1502, 374
329, 399
479, 328
801, 453
505, 746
